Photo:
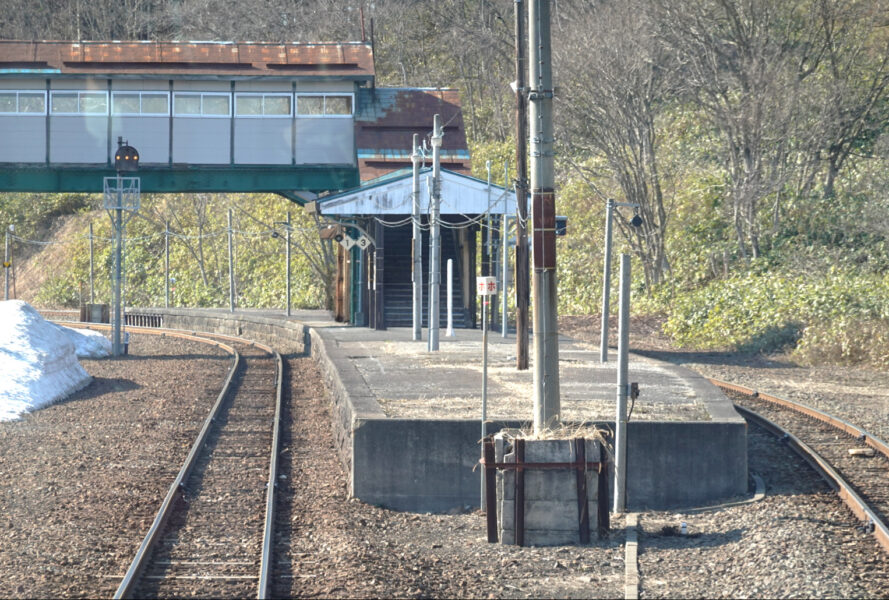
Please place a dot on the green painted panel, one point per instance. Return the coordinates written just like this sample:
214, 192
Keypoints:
209, 179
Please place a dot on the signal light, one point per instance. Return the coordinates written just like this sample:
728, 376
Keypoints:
126, 158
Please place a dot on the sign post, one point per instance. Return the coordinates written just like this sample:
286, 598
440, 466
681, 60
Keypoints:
485, 287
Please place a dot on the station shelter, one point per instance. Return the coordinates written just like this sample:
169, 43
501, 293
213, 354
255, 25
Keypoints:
374, 282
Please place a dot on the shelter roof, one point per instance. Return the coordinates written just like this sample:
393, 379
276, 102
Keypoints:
387, 118
238, 59
391, 195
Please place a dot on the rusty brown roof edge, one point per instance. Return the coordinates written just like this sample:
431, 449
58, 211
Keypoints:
194, 42
356, 57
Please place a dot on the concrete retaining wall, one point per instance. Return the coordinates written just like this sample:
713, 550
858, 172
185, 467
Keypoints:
427, 465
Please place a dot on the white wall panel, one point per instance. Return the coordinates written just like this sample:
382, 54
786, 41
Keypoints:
201, 141
263, 141
24, 139
325, 141
78, 139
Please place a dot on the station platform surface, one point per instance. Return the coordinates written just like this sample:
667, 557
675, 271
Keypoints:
407, 420
410, 382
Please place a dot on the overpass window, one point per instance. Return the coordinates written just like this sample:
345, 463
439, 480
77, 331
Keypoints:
140, 103
338, 105
324, 105
200, 104
79, 103
263, 105
29, 103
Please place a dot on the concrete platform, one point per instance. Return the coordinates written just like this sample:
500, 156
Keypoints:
408, 421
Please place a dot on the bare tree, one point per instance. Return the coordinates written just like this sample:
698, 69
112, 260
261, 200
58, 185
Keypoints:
853, 82
743, 63
613, 93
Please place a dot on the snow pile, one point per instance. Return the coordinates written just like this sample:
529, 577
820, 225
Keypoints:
38, 359
87, 343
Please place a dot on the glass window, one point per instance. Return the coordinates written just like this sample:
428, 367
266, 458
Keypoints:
125, 104
310, 105
154, 104
249, 105
187, 104
64, 103
8, 102
338, 105
277, 105
30, 102
215, 105
92, 103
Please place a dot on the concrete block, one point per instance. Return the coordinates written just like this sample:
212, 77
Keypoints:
543, 485
543, 538
550, 509
545, 515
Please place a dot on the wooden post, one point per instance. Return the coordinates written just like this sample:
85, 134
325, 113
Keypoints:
519, 492
604, 502
583, 512
490, 489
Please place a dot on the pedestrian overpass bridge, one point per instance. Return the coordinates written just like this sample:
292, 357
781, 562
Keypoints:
293, 119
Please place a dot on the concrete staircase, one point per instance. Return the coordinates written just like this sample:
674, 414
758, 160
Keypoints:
398, 294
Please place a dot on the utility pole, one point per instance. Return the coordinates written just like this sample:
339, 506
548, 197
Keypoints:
166, 264
231, 266
417, 241
504, 252
522, 295
546, 336
434, 237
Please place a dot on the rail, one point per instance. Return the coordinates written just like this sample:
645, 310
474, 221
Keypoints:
142, 557
859, 506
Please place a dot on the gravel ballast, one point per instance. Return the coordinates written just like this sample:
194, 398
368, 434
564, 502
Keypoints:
67, 530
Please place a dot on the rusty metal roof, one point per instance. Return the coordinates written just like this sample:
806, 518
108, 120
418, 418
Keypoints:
343, 59
387, 118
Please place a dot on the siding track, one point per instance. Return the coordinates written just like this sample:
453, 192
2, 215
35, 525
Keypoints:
825, 441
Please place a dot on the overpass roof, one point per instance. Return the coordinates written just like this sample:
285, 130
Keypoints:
186, 59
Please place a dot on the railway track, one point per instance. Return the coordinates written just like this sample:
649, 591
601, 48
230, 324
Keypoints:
852, 461
213, 535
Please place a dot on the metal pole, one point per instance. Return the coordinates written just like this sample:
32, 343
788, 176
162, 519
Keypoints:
546, 341
504, 252
417, 240
606, 281
450, 331
166, 264
231, 266
288, 262
92, 272
434, 239
6, 265
620, 442
484, 385
487, 238
118, 259
522, 285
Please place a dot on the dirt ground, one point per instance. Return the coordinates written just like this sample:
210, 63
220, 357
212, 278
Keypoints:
857, 394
